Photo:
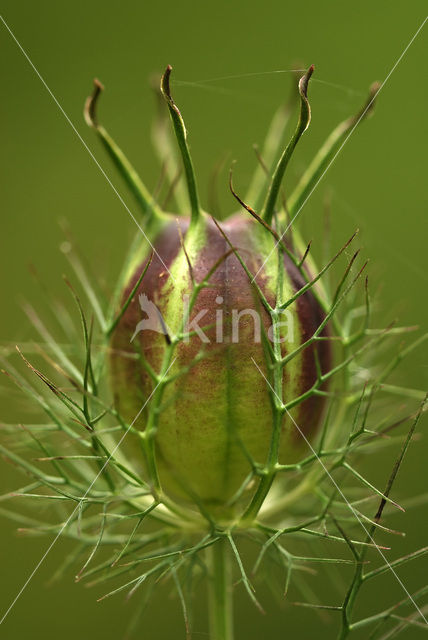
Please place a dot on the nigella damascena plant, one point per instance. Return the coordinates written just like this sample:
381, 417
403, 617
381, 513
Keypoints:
224, 392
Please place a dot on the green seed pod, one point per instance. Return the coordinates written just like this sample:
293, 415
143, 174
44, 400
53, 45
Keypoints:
219, 349
214, 301
218, 412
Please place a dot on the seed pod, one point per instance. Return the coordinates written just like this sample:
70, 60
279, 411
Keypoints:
218, 414
213, 360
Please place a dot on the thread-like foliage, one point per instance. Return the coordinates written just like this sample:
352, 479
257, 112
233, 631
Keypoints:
127, 530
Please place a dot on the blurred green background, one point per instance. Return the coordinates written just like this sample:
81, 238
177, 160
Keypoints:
378, 183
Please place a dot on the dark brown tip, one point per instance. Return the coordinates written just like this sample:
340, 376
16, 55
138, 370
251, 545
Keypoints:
89, 110
368, 107
375, 87
304, 81
373, 91
165, 88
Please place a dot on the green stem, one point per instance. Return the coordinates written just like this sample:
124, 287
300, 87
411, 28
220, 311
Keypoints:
220, 592
271, 149
302, 125
181, 135
277, 404
327, 153
127, 171
165, 148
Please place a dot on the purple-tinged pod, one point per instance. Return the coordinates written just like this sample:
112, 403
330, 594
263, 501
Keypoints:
213, 360
217, 416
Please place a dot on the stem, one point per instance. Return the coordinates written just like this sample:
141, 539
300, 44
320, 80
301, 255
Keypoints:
277, 403
127, 171
181, 135
271, 149
327, 154
302, 125
220, 592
